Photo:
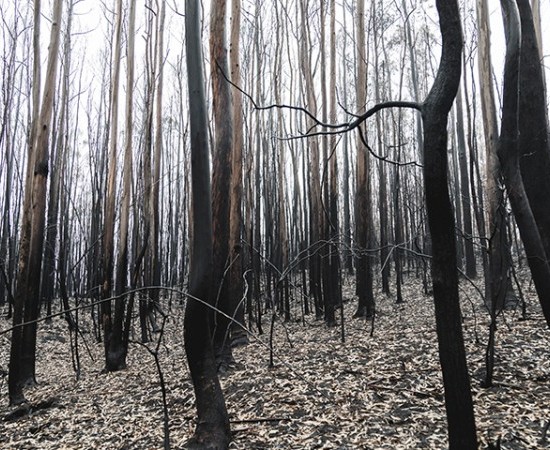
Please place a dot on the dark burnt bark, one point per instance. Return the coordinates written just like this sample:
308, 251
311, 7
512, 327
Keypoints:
533, 126
212, 430
26, 302
435, 111
509, 155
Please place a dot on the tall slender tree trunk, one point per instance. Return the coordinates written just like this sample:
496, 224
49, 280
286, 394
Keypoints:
257, 235
334, 223
154, 204
380, 141
509, 155
49, 264
235, 284
467, 226
363, 214
23, 344
534, 135
221, 178
315, 197
118, 345
435, 111
497, 284
110, 195
213, 429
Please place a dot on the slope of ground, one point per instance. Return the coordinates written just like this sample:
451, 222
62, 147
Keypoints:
380, 389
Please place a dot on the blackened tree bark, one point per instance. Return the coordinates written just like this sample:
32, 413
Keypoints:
26, 302
467, 225
213, 431
533, 126
508, 152
435, 111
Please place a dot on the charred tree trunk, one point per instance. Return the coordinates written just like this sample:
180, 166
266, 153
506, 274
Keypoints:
435, 111
508, 152
26, 305
533, 130
467, 226
213, 422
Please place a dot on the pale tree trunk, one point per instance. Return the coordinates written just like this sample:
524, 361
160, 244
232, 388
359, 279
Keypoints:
424, 245
235, 285
213, 422
154, 202
118, 345
535, 6
346, 172
34, 116
221, 177
382, 190
363, 214
335, 283
55, 221
315, 221
497, 284
257, 235
8, 87
145, 301
56, 174
23, 344
280, 247
110, 194
328, 297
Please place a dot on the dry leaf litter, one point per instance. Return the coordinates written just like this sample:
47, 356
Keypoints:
372, 392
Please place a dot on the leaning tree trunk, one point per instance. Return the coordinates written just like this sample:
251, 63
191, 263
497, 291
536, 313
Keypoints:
508, 152
435, 111
213, 422
23, 344
533, 126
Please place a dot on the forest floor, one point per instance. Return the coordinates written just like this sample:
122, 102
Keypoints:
379, 391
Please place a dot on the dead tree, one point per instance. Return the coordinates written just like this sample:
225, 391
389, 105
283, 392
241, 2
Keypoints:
213, 422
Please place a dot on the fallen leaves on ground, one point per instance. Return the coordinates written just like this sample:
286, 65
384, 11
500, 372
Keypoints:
371, 392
